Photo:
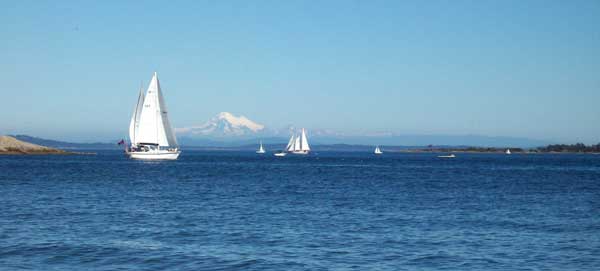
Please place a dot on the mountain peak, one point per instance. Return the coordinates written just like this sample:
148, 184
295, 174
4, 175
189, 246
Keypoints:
225, 115
240, 121
224, 124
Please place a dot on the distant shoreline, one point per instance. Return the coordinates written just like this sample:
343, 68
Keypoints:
43, 145
385, 149
12, 146
491, 152
46, 153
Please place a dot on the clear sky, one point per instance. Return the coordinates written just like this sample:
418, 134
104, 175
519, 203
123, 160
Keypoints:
72, 70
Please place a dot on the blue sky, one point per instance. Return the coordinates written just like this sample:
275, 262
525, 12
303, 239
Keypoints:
71, 70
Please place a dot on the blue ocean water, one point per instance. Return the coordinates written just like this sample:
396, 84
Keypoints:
328, 211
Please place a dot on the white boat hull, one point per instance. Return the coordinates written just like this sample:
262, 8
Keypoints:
280, 154
155, 155
300, 152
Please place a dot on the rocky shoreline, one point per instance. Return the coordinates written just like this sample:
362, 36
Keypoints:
12, 146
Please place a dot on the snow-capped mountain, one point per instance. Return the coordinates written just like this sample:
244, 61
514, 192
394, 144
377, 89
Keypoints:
224, 124
226, 128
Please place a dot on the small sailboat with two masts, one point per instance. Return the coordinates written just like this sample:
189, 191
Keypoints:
377, 151
150, 132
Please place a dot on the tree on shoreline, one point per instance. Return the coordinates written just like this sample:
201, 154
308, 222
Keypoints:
579, 147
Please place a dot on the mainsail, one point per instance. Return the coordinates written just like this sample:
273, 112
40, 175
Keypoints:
153, 126
304, 142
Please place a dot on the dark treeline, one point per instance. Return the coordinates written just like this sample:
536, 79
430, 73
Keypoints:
480, 149
579, 147
471, 149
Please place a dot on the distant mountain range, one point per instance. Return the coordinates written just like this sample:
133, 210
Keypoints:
226, 126
226, 130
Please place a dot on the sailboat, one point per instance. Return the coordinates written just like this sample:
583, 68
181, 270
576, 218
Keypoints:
261, 150
508, 151
150, 132
298, 144
377, 150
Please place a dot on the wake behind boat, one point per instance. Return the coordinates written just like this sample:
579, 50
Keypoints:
150, 132
447, 156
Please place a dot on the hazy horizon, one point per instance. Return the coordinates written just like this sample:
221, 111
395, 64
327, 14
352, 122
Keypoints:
526, 69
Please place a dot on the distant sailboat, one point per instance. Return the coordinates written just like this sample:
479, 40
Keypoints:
508, 151
261, 150
150, 132
298, 144
377, 150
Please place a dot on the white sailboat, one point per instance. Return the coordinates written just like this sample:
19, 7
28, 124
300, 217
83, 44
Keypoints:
377, 150
508, 151
261, 150
150, 132
298, 144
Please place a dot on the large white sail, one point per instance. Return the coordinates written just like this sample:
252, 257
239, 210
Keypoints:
154, 126
135, 118
304, 142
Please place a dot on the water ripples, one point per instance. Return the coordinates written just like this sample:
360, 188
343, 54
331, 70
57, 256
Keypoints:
345, 211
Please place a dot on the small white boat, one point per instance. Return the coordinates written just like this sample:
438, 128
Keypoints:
261, 150
377, 150
447, 156
150, 131
508, 151
280, 154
